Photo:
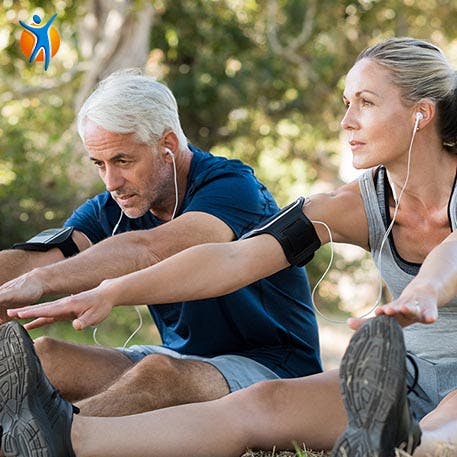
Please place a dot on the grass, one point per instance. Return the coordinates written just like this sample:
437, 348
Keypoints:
441, 451
298, 453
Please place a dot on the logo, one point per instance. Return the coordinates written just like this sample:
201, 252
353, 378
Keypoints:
39, 43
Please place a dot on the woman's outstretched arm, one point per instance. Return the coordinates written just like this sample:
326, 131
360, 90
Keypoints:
199, 272
434, 286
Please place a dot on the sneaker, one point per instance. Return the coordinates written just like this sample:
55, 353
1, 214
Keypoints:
373, 385
34, 418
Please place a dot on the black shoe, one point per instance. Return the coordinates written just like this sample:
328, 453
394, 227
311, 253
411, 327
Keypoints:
35, 419
373, 385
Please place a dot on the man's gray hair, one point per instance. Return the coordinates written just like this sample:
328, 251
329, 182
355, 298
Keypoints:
130, 102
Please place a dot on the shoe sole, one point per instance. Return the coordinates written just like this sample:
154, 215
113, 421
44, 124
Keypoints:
372, 375
22, 433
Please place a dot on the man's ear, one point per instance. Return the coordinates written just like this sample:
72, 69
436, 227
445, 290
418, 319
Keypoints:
169, 142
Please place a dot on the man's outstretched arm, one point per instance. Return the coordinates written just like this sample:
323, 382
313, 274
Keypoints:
113, 257
15, 262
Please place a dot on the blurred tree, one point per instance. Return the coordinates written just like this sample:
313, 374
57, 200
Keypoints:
259, 80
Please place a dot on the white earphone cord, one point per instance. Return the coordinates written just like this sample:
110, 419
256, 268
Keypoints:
384, 239
137, 308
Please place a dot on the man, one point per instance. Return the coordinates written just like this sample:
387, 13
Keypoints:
162, 196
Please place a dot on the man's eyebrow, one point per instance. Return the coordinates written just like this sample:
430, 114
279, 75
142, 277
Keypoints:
120, 155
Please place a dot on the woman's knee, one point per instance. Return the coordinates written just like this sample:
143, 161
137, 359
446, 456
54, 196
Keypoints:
262, 400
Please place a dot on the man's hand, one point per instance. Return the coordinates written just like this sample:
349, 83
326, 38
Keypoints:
414, 305
84, 309
20, 291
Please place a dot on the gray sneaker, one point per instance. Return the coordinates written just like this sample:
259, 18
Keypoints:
373, 385
35, 419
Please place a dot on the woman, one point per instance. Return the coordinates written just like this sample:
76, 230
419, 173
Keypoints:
401, 106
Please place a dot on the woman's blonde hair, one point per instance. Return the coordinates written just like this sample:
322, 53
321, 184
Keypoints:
421, 70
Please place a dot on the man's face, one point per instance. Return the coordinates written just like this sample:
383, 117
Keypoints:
133, 172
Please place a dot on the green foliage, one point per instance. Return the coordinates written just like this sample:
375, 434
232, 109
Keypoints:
260, 80
114, 331
37, 160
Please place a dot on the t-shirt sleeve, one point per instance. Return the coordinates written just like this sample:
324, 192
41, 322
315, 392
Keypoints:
87, 220
237, 199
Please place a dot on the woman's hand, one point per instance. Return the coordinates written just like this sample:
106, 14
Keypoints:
415, 304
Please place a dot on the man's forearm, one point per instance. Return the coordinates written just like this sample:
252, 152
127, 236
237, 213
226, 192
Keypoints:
110, 258
15, 262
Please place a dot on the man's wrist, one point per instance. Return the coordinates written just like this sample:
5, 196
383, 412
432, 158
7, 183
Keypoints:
41, 277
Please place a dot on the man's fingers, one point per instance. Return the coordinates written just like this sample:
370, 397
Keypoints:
87, 318
49, 309
40, 322
79, 324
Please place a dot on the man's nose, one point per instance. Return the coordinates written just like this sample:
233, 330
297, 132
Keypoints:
113, 179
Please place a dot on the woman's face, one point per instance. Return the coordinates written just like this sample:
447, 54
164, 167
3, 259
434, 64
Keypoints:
378, 123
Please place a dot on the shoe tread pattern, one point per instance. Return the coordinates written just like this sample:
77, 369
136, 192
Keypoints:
22, 433
372, 373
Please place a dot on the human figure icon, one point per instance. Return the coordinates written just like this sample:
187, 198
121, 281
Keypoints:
42, 40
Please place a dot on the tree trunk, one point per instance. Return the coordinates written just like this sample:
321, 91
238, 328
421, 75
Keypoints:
113, 35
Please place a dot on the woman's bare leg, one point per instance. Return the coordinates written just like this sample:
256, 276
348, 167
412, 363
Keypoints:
272, 413
439, 429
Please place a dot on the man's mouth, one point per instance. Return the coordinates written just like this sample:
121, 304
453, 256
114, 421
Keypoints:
124, 198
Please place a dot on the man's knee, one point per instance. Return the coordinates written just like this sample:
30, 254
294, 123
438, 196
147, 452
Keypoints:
47, 350
181, 380
154, 367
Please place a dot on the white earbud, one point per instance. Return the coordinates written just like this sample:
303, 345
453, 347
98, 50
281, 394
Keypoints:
169, 151
419, 116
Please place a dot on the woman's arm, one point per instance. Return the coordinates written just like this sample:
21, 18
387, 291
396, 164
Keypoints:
205, 271
434, 286
199, 272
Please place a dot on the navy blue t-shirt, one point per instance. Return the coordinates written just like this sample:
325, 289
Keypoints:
270, 321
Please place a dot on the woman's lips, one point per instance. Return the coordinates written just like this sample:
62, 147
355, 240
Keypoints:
356, 144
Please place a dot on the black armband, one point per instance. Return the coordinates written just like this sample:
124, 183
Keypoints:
294, 231
59, 238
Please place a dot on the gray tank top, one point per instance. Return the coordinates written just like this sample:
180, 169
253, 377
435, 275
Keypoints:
434, 342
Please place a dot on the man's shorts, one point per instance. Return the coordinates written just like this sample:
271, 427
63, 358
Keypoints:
239, 372
435, 381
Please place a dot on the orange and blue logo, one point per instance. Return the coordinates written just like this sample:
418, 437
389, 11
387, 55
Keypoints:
39, 43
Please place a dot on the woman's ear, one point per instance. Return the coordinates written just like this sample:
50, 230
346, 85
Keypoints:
424, 112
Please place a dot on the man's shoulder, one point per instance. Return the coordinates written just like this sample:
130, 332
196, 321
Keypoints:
209, 168
205, 162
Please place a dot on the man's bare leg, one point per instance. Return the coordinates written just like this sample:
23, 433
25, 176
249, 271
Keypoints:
104, 382
272, 413
157, 381
440, 429
80, 371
